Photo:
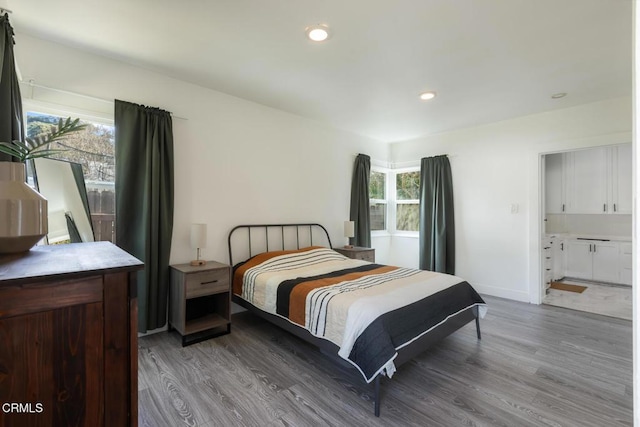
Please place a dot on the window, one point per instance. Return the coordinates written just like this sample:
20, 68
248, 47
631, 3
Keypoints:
378, 200
400, 203
94, 149
407, 201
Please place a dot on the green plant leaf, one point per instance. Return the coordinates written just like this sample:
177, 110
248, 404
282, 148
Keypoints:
12, 151
19, 146
32, 148
65, 128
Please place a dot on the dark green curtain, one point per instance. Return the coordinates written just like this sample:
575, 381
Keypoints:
437, 228
144, 202
359, 212
11, 126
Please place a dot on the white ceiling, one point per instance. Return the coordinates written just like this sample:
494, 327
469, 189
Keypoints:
488, 60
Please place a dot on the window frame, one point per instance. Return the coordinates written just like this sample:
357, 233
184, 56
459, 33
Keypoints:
33, 106
99, 118
385, 201
395, 202
38, 107
391, 201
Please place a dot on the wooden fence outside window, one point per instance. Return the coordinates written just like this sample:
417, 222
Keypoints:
102, 204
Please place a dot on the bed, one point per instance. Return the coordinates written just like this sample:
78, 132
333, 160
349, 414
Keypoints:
370, 316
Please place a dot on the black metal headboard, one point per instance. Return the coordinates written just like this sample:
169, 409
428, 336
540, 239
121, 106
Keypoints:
266, 237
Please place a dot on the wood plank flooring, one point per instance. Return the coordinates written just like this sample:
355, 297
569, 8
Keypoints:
535, 366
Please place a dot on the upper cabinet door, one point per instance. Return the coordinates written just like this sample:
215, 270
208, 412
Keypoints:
621, 193
554, 183
587, 181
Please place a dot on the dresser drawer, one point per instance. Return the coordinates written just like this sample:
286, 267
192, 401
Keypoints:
207, 282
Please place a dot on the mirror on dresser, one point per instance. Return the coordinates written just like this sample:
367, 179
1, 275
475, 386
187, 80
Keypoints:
62, 184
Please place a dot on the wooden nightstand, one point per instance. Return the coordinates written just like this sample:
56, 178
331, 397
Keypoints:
200, 301
356, 252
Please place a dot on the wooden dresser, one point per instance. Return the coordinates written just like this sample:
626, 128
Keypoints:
68, 336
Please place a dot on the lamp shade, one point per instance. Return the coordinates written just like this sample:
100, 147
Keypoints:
349, 228
198, 236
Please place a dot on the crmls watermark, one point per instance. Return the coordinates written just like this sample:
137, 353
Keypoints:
22, 408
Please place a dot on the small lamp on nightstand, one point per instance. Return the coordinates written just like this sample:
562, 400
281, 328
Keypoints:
349, 231
198, 241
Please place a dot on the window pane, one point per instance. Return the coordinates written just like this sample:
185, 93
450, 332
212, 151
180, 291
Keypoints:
378, 216
408, 217
94, 149
408, 186
376, 185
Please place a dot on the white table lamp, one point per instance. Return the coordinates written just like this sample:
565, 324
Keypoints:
349, 231
198, 241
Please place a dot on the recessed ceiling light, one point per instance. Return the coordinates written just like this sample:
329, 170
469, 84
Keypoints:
558, 95
317, 33
425, 96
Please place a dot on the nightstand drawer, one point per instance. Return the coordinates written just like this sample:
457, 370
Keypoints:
207, 282
365, 256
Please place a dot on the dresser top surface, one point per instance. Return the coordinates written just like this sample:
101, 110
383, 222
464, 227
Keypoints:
69, 259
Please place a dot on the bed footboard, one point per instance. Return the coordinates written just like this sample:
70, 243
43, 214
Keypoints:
405, 354
423, 343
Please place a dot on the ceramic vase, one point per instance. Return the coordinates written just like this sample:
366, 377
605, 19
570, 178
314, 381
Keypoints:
23, 211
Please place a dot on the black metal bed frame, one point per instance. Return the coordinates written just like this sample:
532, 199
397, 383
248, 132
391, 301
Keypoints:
283, 246
405, 354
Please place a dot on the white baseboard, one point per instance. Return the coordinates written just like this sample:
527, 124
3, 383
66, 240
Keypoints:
522, 296
154, 331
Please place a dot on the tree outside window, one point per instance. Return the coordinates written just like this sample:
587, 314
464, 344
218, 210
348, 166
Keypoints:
378, 200
407, 201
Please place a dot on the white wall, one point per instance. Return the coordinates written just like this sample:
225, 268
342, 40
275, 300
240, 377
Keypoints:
496, 166
235, 161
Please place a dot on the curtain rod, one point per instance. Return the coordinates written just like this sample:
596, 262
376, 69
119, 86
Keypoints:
375, 162
31, 83
403, 164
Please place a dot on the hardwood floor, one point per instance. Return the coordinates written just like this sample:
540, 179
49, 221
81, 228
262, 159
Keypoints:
535, 366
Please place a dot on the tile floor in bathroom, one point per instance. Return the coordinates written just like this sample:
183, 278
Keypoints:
608, 300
